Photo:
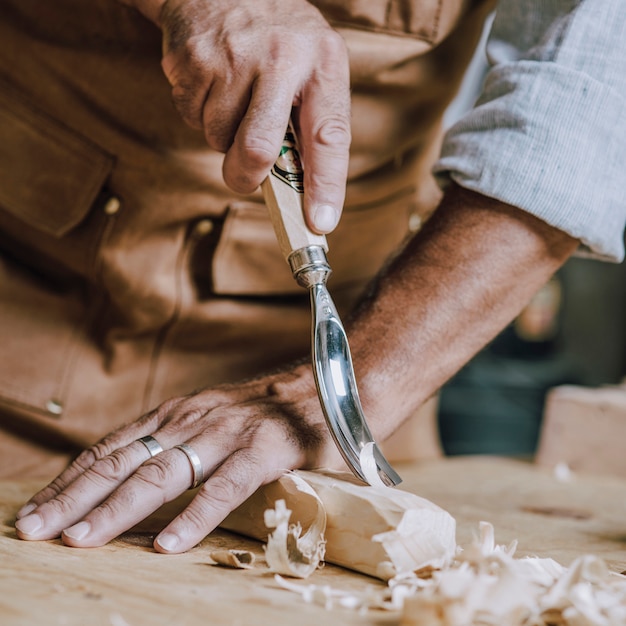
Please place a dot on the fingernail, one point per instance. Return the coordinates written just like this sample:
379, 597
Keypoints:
29, 524
168, 541
78, 531
325, 218
25, 510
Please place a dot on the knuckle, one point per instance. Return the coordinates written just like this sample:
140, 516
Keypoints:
333, 45
259, 149
62, 505
90, 456
219, 134
191, 79
184, 100
255, 154
101, 449
241, 180
280, 51
334, 131
114, 507
167, 407
196, 516
147, 419
229, 488
183, 420
225, 490
155, 472
185, 57
114, 467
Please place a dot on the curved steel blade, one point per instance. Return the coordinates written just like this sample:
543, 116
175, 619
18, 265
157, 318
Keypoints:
336, 383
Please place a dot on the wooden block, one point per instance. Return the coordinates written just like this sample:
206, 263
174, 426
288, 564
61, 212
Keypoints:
378, 531
585, 428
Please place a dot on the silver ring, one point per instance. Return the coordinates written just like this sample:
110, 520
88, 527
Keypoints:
152, 445
196, 464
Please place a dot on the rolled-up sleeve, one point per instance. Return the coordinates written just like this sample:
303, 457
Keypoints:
548, 133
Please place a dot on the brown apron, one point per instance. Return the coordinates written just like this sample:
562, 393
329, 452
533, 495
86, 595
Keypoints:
128, 272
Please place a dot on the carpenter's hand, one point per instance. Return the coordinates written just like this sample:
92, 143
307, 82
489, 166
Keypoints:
244, 436
238, 68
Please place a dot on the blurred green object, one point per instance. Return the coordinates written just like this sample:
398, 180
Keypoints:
572, 332
495, 404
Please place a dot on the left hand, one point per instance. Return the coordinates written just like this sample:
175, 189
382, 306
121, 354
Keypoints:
244, 435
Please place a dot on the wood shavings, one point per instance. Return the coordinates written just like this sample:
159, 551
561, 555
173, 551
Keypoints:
487, 586
287, 550
369, 467
326, 596
238, 559
563, 473
414, 544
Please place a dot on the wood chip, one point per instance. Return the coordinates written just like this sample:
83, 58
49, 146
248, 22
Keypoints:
238, 559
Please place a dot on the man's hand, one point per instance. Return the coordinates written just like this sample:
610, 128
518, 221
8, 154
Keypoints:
237, 70
245, 436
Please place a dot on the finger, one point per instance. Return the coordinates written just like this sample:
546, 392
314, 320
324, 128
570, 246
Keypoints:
222, 112
85, 493
159, 480
191, 84
260, 134
233, 483
88, 457
324, 134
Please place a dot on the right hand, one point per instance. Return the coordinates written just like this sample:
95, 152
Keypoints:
238, 68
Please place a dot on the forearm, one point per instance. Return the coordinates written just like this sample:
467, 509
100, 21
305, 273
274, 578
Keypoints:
470, 271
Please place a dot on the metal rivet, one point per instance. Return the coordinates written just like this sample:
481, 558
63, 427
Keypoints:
415, 222
112, 205
54, 407
204, 227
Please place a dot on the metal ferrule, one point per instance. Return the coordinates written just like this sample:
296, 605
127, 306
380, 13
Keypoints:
309, 266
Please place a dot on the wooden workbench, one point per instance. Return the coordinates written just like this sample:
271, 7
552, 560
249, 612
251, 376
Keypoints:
127, 584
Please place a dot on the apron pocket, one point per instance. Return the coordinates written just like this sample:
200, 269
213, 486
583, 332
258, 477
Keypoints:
248, 261
49, 175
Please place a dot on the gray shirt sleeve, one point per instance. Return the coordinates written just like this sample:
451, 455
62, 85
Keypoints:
548, 133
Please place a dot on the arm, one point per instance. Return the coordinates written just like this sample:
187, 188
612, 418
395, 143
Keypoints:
548, 133
459, 282
239, 70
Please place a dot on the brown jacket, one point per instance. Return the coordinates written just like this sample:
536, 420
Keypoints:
130, 273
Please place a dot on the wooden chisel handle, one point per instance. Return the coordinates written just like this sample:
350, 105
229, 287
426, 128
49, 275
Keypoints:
283, 191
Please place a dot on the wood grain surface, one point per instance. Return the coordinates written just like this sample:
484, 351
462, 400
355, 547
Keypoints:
127, 584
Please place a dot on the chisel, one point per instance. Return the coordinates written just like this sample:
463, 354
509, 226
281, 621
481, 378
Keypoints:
305, 253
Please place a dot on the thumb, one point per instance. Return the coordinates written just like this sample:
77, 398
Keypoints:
324, 141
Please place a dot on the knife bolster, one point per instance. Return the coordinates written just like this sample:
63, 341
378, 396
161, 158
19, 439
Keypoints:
309, 266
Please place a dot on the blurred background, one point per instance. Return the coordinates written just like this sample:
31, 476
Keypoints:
573, 332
